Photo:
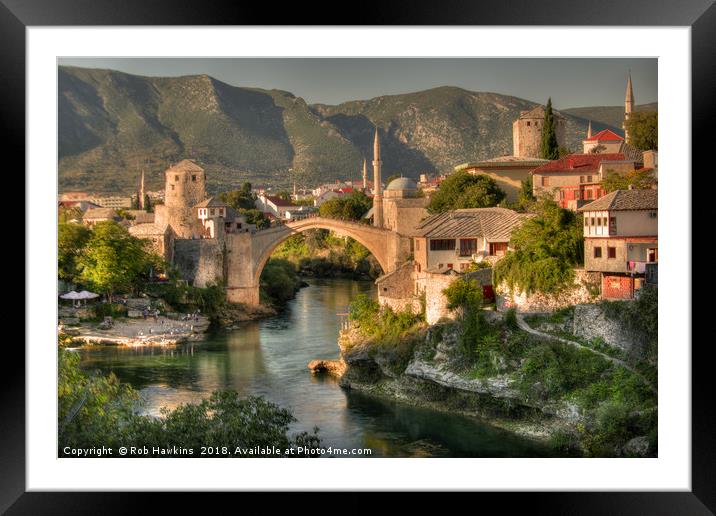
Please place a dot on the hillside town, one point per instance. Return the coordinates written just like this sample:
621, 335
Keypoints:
620, 227
516, 278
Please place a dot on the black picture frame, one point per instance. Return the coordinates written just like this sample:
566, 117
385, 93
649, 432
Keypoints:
700, 15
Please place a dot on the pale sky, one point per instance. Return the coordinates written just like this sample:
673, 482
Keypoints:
570, 82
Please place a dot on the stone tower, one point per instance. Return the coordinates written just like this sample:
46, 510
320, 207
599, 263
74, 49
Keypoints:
184, 188
628, 105
589, 130
527, 132
140, 193
377, 188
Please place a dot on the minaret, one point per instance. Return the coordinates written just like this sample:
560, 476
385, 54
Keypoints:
365, 174
589, 130
628, 104
140, 194
377, 188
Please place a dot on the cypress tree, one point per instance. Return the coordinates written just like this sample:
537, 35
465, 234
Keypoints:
550, 148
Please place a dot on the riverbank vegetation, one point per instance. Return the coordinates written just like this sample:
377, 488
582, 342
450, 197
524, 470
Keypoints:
589, 404
546, 250
106, 259
95, 410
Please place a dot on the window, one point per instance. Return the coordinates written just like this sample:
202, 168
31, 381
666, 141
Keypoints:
193, 177
611, 252
589, 194
468, 246
528, 124
586, 221
176, 178
172, 186
498, 248
545, 180
612, 225
561, 194
442, 244
589, 179
592, 222
597, 252
652, 214
449, 265
211, 211
581, 179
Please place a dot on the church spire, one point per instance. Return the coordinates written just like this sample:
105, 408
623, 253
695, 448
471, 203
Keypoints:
377, 187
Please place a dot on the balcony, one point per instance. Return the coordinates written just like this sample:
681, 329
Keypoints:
635, 267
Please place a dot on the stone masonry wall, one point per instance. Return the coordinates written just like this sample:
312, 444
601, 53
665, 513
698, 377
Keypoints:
200, 261
585, 290
590, 322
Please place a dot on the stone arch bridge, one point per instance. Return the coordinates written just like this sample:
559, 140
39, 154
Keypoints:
247, 254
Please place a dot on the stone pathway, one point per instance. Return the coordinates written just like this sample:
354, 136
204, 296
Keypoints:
526, 327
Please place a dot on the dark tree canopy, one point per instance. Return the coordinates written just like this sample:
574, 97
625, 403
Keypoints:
643, 130
242, 198
550, 147
349, 207
639, 179
464, 190
546, 249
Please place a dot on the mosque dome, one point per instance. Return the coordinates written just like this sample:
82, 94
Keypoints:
402, 183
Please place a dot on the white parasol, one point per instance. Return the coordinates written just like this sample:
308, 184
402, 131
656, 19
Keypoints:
74, 296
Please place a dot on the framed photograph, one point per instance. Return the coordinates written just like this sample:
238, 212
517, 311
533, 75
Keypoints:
414, 256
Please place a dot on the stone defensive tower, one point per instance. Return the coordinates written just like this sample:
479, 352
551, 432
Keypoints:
184, 188
377, 187
527, 132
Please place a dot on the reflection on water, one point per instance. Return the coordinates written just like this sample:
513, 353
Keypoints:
270, 357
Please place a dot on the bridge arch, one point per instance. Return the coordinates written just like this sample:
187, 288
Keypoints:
248, 253
373, 239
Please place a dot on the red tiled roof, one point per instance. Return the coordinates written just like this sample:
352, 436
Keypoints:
578, 162
605, 136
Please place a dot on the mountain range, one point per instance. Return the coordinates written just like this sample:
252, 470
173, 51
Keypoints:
112, 125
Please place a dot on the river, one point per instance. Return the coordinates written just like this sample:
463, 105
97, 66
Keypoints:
269, 358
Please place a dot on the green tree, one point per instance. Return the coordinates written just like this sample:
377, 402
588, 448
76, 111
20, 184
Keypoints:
96, 410
279, 282
643, 130
546, 249
93, 410
349, 207
115, 261
550, 147
526, 197
69, 214
464, 190
639, 179
254, 216
240, 199
71, 241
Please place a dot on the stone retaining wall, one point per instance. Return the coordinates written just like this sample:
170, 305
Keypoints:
585, 290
